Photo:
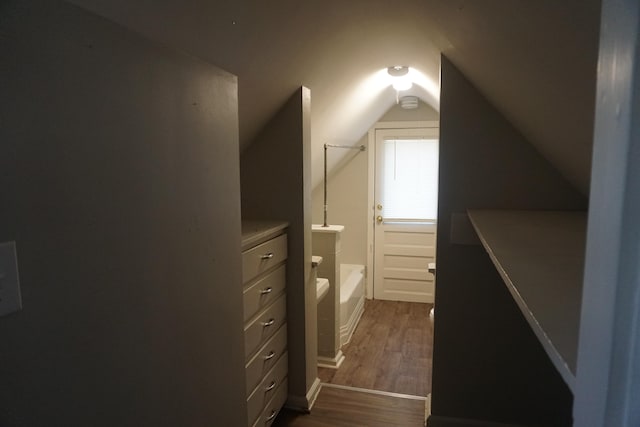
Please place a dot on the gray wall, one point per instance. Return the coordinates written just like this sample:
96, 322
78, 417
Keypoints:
487, 363
120, 184
276, 184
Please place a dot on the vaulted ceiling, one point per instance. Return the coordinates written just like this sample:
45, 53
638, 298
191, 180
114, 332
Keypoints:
535, 60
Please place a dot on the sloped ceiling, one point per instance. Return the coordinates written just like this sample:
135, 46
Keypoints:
535, 60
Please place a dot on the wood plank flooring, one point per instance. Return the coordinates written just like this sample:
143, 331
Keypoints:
391, 350
347, 408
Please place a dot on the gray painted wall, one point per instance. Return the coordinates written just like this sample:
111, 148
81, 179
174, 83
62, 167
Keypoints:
276, 184
120, 184
488, 364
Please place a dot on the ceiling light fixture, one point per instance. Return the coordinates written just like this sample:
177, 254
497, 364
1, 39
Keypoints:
400, 77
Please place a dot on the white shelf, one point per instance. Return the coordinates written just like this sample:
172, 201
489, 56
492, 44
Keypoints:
540, 256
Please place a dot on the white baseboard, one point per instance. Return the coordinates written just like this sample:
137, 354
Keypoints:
331, 363
313, 392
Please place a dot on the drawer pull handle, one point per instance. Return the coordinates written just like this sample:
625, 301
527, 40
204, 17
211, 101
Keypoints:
269, 356
267, 256
272, 416
270, 386
266, 291
269, 323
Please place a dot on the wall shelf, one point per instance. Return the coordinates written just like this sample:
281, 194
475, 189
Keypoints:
540, 256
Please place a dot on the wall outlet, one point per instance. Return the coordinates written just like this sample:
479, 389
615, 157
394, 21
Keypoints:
10, 299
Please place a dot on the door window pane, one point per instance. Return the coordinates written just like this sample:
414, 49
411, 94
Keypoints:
410, 179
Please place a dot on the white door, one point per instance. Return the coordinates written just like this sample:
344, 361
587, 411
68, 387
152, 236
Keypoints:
406, 196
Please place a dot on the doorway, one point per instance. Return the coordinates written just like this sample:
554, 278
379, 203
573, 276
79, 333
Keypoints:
391, 349
404, 200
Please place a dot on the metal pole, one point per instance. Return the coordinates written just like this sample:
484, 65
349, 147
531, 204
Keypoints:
325, 187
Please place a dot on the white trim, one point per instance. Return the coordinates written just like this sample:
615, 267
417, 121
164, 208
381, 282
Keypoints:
607, 386
314, 391
370, 214
378, 392
331, 362
407, 125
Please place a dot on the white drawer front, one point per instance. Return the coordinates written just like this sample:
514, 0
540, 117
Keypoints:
273, 407
266, 358
261, 258
263, 292
266, 389
264, 326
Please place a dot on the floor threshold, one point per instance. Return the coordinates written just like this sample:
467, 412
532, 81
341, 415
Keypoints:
378, 392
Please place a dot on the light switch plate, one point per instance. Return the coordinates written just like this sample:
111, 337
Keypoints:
10, 299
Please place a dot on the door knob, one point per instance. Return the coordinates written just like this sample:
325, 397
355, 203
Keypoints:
379, 219
379, 207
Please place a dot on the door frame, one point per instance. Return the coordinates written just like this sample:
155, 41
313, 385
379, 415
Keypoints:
371, 213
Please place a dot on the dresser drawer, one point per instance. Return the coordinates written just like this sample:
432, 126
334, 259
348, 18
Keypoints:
266, 358
272, 408
261, 258
264, 292
264, 326
266, 389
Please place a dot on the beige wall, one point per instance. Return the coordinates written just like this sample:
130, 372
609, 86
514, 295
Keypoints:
119, 171
347, 189
424, 112
347, 202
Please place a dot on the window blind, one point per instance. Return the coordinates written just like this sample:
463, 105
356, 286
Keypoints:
410, 179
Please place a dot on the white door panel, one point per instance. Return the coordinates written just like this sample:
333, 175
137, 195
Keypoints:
406, 262
402, 267
416, 237
407, 287
405, 244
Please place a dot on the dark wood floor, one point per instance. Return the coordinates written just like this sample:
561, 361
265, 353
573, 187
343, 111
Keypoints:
347, 408
391, 350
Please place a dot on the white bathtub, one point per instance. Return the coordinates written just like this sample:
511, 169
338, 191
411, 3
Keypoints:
351, 299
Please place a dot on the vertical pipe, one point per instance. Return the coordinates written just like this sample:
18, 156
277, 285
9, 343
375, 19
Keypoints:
325, 187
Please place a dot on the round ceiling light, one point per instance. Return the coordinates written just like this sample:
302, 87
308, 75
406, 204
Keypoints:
400, 77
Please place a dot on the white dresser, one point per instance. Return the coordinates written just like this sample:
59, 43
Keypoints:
264, 255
